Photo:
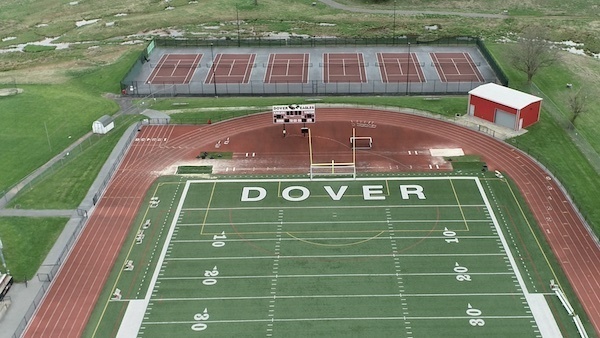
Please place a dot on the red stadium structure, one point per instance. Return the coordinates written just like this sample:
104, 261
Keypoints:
504, 106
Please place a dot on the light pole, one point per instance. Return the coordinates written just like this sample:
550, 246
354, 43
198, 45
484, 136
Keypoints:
214, 68
408, 69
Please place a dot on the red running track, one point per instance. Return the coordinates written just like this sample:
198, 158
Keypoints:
66, 308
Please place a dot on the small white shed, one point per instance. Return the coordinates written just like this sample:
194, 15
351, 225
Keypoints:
103, 125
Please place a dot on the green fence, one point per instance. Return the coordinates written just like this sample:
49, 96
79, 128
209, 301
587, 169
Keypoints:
492, 61
314, 42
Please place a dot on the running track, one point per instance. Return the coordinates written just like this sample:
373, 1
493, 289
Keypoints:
65, 310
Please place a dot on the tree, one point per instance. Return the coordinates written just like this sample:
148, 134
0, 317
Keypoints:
532, 52
578, 103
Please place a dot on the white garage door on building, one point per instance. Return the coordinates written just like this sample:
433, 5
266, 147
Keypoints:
505, 119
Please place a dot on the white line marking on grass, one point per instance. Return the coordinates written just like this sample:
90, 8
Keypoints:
344, 275
334, 256
395, 206
371, 221
393, 295
275, 271
334, 319
328, 239
329, 179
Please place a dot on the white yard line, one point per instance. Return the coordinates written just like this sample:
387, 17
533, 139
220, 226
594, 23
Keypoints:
393, 295
337, 256
339, 275
245, 240
340, 319
343, 207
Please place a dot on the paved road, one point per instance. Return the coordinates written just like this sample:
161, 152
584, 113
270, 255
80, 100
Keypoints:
337, 5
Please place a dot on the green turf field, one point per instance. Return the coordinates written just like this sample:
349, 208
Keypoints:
379, 257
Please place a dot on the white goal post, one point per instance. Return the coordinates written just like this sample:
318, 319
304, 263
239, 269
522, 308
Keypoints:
333, 168
361, 142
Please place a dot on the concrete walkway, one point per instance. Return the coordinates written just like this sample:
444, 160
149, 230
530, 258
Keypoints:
337, 5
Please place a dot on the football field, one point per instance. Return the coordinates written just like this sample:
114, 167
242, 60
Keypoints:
292, 257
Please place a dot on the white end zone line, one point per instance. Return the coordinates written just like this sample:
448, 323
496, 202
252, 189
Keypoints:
537, 303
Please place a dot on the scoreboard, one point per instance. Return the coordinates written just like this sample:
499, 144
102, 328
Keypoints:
294, 113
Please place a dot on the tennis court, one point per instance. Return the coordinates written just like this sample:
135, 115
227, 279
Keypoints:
344, 67
174, 68
287, 68
275, 257
400, 67
453, 67
231, 68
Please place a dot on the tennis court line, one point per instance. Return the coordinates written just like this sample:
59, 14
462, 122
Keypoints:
439, 71
467, 56
411, 61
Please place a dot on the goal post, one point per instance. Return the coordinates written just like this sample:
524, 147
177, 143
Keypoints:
328, 169
361, 142
347, 169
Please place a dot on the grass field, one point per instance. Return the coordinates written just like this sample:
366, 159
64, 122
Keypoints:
379, 256
69, 81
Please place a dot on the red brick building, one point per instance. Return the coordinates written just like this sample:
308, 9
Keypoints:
504, 106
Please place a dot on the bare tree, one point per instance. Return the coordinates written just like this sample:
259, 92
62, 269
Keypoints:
533, 52
578, 104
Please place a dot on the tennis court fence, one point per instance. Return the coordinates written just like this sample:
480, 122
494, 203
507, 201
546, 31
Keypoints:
311, 88
132, 86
